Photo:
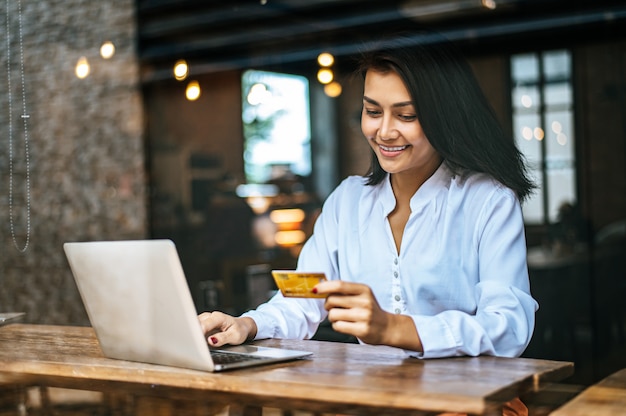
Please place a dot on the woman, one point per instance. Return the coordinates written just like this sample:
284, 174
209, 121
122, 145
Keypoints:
426, 252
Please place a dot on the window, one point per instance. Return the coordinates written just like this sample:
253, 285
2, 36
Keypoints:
276, 125
543, 125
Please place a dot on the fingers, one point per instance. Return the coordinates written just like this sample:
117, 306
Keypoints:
353, 322
340, 287
212, 322
353, 309
218, 328
366, 323
221, 329
345, 295
354, 314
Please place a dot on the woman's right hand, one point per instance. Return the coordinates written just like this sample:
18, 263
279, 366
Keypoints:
220, 328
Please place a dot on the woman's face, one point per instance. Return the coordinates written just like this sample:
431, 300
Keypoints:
390, 125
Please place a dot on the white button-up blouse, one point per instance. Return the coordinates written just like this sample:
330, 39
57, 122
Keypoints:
461, 272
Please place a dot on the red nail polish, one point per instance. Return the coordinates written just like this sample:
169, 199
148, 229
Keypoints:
314, 290
213, 340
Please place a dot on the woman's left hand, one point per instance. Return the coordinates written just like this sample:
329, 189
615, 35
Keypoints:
353, 309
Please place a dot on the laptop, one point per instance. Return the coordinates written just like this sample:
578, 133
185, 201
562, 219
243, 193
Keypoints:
139, 304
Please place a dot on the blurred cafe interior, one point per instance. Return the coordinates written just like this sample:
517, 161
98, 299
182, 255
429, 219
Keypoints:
224, 125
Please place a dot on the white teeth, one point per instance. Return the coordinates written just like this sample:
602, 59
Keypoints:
392, 149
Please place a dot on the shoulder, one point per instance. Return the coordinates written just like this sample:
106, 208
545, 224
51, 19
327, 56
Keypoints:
352, 195
481, 188
480, 197
351, 187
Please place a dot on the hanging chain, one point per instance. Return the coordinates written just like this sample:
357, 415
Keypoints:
25, 117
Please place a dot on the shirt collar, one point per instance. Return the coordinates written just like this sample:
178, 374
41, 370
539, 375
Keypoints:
426, 194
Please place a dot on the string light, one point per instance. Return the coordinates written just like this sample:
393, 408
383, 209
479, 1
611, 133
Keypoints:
326, 76
25, 118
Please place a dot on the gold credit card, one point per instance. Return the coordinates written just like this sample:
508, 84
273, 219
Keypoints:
294, 284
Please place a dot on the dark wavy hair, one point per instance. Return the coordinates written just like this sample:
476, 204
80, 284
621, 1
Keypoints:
454, 113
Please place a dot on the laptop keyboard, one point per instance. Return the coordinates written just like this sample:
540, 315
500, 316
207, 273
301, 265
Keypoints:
220, 357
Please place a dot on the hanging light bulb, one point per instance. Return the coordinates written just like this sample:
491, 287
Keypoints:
193, 91
107, 50
82, 68
333, 89
325, 75
325, 59
181, 70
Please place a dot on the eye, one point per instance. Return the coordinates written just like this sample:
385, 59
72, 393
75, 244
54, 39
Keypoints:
372, 113
407, 117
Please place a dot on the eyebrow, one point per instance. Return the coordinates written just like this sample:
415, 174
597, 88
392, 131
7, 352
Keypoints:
400, 104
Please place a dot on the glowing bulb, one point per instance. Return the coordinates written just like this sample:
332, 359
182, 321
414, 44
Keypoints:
527, 133
290, 215
561, 139
557, 127
333, 89
107, 50
527, 101
538, 133
325, 75
290, 237
193, 91
325, 59
181, 70
82, 68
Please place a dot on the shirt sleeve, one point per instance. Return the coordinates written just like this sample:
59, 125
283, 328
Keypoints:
504, 319
287, 318
297, 318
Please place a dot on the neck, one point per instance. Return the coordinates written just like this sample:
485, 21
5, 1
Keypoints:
405, 184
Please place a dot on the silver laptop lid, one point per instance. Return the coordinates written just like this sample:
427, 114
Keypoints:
137, 299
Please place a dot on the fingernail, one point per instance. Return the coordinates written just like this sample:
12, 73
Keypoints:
213, 340
314, 290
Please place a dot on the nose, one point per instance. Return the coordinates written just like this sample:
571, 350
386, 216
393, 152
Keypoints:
387, 130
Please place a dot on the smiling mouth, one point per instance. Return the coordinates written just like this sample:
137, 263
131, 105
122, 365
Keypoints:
392, 149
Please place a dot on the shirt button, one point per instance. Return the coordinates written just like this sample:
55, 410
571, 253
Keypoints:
397, 297
395, 274
397, 311
395, 261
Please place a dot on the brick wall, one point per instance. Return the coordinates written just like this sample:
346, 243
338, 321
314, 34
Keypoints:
87, 179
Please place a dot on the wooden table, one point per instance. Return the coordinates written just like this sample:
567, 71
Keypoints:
339, 378
607, 397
